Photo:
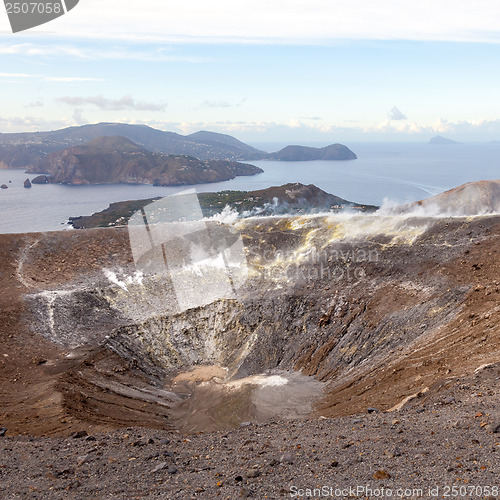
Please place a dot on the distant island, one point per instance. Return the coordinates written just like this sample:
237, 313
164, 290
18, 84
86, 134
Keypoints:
118, 160
292, 198
28, 150
303, 153
442, 140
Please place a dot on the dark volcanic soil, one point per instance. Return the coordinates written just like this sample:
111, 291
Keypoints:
450, 440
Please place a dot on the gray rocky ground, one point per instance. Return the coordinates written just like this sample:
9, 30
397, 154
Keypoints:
438, 446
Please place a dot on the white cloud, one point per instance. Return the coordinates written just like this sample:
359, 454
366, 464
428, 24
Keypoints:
275, 20
481, 130
78, 117
32, 49
216, 104
222, 103
46, 78
88, 52
35, 104
31, 124
123, 103
65, 79
16, 75
396, 114
404, 128
294, 131
297, 130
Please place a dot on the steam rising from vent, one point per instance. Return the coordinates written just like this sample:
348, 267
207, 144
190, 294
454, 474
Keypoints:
273, 208
185, 261
470, 199
125, 282
228, 216
202, 260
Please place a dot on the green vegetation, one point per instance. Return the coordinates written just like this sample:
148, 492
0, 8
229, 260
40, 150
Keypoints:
287, 199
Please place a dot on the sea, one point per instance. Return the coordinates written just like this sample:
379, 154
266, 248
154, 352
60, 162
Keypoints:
383, 173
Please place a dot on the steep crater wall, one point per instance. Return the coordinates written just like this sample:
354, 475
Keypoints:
375, 307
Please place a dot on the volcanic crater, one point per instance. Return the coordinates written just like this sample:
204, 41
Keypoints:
338, 314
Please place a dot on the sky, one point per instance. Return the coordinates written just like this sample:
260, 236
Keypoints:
294, 71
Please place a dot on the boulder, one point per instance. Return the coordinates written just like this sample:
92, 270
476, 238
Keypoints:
41, 179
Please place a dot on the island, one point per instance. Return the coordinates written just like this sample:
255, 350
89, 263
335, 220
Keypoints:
302, 153
116, 159
29, 150
291, 198
440, 140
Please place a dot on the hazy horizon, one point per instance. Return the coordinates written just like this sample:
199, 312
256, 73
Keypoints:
283, 72
302, 140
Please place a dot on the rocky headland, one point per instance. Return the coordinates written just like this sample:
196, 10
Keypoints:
26, 150
118, 160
